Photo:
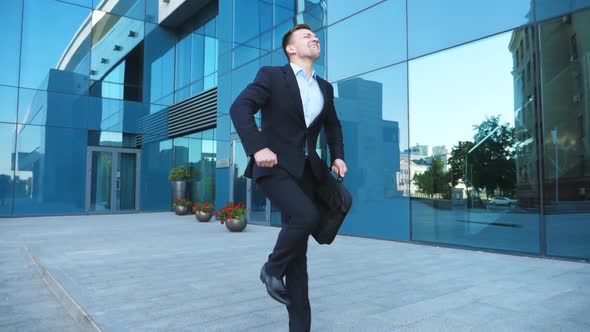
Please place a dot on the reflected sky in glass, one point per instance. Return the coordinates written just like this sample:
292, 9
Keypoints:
10, 33
436, 25
454, 90
8, 96
372, 39
7, 136
551, 8
45, 38
339, 9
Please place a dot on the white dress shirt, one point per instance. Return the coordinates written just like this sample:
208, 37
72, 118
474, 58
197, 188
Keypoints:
311, 95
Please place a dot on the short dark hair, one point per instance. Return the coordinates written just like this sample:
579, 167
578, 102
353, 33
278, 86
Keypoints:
287, 36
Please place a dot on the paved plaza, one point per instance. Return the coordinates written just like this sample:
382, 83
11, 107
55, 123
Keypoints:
161, 272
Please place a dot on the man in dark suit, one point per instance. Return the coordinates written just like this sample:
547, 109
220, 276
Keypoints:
295, 105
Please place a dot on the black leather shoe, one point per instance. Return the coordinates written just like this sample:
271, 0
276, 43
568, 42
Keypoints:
274, 286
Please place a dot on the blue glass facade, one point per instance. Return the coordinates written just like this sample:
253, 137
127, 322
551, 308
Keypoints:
465, 123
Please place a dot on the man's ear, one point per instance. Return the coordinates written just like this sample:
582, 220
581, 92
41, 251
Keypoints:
290, 49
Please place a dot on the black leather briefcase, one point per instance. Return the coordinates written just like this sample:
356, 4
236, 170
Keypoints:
334, 203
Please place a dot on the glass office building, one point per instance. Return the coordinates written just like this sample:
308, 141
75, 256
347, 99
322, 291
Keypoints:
466, 123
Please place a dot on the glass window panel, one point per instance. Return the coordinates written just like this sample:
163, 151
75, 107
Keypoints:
128, 8
251, 19
211, 28
85, 3
369, 30
225, 25
565, 92
210, 63
151, 10
113, 37
244, 54
48, 181
286, 4
314, 15
279, 32
115, 115
223, 128
436, 25
40, 107
7, 135
109, 138
57, 51
282, 13
473, 158
183, 62
339, 9
10, 35
195, 169
243, 76
182, 94
8, 96
156, 162
159, 65
551, 8
210, 82
372, 109
224, 96
197, 57
202, 168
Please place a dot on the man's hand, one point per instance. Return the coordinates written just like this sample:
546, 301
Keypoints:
339, 167
265, 158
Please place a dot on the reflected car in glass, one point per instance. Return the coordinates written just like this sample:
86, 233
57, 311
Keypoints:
502, 201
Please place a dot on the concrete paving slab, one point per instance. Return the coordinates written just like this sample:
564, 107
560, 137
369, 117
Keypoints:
161, 272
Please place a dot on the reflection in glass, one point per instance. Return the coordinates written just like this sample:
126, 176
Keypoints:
125, 182
436, 25
244, 190
115, 38
159, 65
57, 50
239, 162
339, 9
382, 30
251, 19
115, 115
100, 181
565, 88
40, 107
372, 110
7, 136
552, 8
10, 37
472, 155
156, 162
8, 96
128, 8
47, 181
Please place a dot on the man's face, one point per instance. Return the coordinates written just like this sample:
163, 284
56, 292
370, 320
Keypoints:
304, 44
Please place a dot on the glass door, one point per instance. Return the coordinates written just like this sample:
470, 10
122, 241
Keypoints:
101, 177
112, 180
243, 190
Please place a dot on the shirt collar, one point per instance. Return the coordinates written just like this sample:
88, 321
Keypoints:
297, 69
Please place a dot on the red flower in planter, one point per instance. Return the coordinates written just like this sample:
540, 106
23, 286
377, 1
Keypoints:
231, 210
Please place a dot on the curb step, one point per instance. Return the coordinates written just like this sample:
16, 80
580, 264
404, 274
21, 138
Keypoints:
84, 320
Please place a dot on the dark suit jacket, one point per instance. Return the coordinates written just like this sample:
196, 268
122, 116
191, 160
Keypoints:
275, 92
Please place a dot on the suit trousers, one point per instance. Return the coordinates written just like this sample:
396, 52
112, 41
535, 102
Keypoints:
300, 217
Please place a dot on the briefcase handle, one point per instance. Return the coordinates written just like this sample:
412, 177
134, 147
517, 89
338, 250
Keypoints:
339, 178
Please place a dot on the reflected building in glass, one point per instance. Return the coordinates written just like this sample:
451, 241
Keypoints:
465, 123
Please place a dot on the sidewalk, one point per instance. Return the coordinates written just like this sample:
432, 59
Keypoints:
161, 272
